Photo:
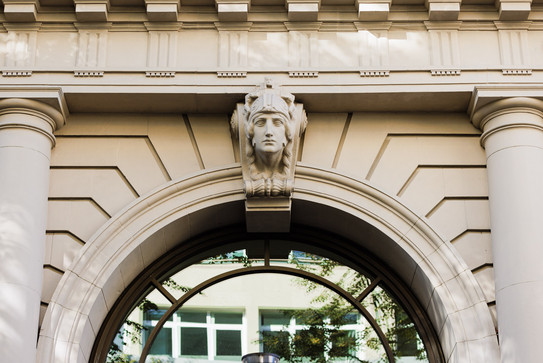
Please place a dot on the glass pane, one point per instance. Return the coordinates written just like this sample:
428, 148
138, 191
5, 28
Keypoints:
136, 328
328, 333
281, 318
347, 278
162, 343
193, 317
396, 325
194, 341
298, 319
228, 342
321, 327
228, 318
193, 275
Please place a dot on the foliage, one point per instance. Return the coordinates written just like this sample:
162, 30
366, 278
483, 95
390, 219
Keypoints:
116, 356
230, 257
175, 286
132, 332
322, 339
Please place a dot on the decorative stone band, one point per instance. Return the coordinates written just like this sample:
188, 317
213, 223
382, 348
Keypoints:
517, 72
88, 73
303, 74
231, 74
160, 74
445, 72
42, 117
18, 73
380, 73
487, 117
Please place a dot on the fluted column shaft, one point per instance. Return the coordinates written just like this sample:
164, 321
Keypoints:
513, 140
26, 139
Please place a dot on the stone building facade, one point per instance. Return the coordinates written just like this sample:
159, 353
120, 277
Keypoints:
423, 148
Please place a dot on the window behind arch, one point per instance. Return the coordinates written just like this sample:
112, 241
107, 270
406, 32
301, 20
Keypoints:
304, 306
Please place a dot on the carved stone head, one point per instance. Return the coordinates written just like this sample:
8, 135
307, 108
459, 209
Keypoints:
269, 125
269, 133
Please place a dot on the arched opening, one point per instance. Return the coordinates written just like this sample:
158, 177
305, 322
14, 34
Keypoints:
177, 213
350, 307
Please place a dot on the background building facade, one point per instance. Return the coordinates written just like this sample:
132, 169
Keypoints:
424, 135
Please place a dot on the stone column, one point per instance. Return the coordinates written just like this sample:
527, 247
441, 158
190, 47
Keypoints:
513, 140
26, 139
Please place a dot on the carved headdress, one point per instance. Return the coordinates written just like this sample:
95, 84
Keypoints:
269, 101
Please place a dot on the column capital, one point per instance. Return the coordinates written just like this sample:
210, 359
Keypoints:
481, 116
44, 118
489, 102
508, 113
47, 100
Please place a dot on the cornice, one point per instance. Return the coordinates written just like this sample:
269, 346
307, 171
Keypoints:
128, 27
477, 26
93, 26
443, 25
22, 26
513, 25
138, 21
163, 26
103, 10
233, 26
56, 27
338, 27
412, 26
269, 27
303, 25
378, 25
198, 26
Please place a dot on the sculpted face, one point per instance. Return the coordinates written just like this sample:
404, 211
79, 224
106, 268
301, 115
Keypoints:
269, 133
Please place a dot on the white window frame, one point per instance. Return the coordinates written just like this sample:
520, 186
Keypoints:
211, 329
292, 327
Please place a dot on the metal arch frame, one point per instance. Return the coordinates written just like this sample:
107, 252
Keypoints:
269, 269
329, 244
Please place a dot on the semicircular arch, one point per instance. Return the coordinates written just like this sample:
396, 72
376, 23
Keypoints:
181, 209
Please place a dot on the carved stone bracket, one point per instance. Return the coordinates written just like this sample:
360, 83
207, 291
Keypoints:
268, 127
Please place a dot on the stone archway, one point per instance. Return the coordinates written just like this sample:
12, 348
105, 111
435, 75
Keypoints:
155, 223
